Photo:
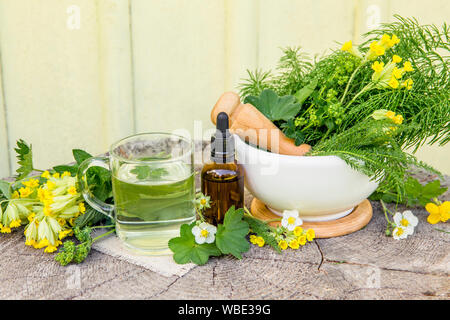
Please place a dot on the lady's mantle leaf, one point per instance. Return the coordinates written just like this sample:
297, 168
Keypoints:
185, 248
230, 237
275, 107
5, 189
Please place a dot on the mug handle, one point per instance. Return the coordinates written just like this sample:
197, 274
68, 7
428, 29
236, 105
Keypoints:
105, 208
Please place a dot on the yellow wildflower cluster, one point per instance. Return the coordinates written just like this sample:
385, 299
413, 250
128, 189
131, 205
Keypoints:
376, 48
439, 212
298, 238
259, 241
387, 114
389, 75
48, 207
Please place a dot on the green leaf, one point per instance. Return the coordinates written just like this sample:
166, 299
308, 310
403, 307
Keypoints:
5, 189
263, 230
80, 155
185, 248
89, 218
273, 106
230, 237
145, 172
25, 157
63, 168
303, 94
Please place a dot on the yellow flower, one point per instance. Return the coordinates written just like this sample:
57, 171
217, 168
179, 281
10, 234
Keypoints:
378, 66
260, 241
293, 244
25, 192
398, 119
302, 240
50, 185
15, 223
64, 233
438, 213
55, 175
394, 40
347, 46
61, 222
72, 190
30, 242
310, 234
31, 216
385, 38
5, 230
72, 221
47, 211
397, 73
390, 114
298, 231
407, 66
396, 58
408, 83
253, 239
15, 195
50, 249
45, 175
283, 244
81, 207
393, 83
65, 174
32, 183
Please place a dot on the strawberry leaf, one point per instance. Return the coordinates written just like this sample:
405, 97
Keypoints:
230, 237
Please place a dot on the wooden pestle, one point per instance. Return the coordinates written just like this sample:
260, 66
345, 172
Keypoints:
251, 125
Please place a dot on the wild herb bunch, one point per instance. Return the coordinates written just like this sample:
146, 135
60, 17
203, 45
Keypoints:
400, 72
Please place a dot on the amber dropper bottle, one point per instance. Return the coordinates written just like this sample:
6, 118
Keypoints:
221, 179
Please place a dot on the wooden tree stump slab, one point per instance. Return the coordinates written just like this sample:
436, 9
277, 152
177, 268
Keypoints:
352, 222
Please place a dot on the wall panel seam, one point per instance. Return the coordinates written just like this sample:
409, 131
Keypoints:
5, 112
133, 87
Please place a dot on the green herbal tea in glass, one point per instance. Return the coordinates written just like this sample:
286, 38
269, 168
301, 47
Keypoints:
153, 189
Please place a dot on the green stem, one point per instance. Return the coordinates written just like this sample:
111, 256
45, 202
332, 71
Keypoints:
366, 88
103, 235
441, 230
99, 227
350, 80
385, 211
200, 215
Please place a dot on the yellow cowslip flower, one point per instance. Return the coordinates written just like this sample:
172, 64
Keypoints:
347, 46
302, 239
407, 66
55, 175
438, 213
293, 244
377, 49
50, 185
25, 192
30, 242
61, 222
41, 243
260, 241
15, 195
72, 221
398, 119
31, 216
408, 84
64, 233
310, 234
397, 73
66, 174
32, 183
5, 230
72, 190
393, 83
81, 207
50, 249
385, 38
390, 114
45, 175
298, 231
396, 58
253, 239
47, 211
15, 223
283, 244
378, 66
394, 40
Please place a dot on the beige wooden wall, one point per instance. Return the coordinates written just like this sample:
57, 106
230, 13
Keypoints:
84, 73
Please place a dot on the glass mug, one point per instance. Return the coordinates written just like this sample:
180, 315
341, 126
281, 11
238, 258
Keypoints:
153, 188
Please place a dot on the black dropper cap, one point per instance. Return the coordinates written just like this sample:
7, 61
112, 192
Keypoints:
222, 143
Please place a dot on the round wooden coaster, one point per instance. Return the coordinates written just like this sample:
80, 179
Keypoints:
352, 222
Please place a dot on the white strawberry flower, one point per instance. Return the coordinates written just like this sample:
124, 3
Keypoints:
291, 219
204, 232
405, 223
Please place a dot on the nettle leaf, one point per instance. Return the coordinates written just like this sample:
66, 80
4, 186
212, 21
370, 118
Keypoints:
145, 172
273, 106
63, 168
25, 157
230, 236
80, 155
5, 189
186, 250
